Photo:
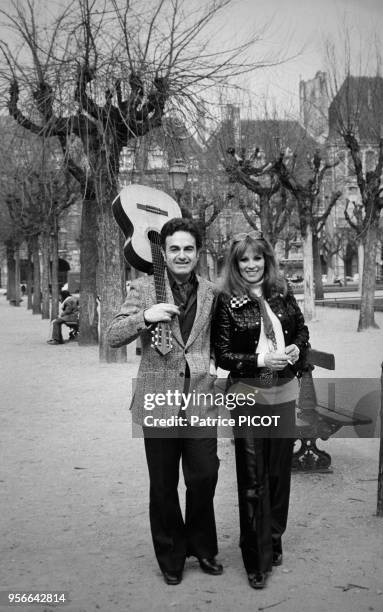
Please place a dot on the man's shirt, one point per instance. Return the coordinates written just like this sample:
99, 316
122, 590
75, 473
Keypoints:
185, 297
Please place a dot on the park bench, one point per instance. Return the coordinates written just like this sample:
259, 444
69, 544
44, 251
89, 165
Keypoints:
318, 420
74, 329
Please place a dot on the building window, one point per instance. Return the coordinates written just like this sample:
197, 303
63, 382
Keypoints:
156, 159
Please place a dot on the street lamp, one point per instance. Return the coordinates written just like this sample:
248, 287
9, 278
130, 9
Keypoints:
178, 174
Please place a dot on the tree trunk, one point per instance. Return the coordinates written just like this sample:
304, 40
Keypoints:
287, 247
29, 278
264, 204
55, 272
17, 276
36, 302
215, 270
366, 316
317, 269
330, 270
308, 274
203, 269
88, 274
45, 276
360, 264
11, 273
111, 269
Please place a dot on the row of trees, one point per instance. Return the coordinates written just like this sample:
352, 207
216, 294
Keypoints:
288, 176
101, 74
36, 190
280, 207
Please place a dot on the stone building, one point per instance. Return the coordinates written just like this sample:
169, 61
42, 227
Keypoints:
314, 102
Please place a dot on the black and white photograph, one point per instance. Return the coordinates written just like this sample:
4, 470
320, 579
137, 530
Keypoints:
191, 305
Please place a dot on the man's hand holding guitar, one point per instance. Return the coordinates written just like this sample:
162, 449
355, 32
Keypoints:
161, 312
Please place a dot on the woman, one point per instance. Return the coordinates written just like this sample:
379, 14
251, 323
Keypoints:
260, 337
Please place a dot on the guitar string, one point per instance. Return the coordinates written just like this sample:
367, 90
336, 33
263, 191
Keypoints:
159, 280
158, 266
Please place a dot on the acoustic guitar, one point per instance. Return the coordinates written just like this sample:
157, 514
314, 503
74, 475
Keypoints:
141, 212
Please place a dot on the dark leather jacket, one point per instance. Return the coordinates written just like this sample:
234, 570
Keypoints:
236, 331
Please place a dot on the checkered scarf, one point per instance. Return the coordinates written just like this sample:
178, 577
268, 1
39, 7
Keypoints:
237, 302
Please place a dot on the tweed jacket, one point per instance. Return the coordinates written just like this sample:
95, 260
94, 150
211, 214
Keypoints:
236, 332
161, 373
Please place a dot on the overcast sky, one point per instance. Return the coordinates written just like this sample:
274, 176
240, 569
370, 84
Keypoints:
303, 25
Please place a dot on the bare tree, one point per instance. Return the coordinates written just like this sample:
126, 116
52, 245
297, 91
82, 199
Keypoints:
355, 222
101, 74
11, 238
37, 190
356, 120
207, 213
330, 244
271, 208
299, 171
311, 219
35, 204
46, 193
21, 218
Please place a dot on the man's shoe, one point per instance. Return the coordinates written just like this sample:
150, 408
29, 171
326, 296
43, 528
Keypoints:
277, 558
257, 580
210, 566
55, 341
172, 578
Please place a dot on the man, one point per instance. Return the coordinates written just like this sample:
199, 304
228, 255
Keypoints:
69, 314
185, 369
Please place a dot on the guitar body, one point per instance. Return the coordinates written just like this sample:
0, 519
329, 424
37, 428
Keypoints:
141, 212
138, 211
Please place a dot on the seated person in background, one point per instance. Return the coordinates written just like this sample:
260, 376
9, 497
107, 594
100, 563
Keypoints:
69, 314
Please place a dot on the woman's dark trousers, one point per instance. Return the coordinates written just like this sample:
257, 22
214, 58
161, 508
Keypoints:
263, 467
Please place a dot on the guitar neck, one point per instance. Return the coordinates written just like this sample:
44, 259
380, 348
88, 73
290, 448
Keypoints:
158, 269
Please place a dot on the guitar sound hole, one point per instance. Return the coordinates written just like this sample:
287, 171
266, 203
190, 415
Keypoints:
154, 237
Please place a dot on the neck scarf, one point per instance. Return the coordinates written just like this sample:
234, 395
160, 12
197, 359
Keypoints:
267, 324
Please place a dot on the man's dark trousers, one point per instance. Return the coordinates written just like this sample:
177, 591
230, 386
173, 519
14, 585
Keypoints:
174, 538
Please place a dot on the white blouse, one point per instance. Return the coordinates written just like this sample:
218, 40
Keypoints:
265, 344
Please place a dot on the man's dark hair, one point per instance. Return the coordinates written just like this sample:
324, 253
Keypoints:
64, 294
181, 225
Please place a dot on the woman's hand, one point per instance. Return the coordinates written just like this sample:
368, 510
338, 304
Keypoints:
292, 352
276, 361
